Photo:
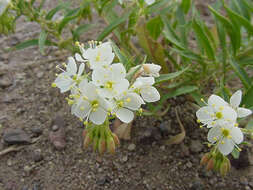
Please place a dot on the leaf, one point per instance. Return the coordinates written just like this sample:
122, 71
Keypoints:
69, 17
122, 58
203, 39
169, 76
155, 27
114, 24
248, 98
81, 30
241, 73
42, 41
186, 5
235, 153
53, 11
240, 20
197, 96
25, 44
234, 33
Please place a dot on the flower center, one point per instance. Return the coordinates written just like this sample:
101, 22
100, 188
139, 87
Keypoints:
98, 57
225, 132
120, 103
94, 105
109, 85
219, 115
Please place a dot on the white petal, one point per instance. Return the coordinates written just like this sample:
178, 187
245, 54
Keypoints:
243, 112
82, 85
98, 117
149, 2
135, 101
121, 86
150, 94
146, 80
79, 57
227, 147
81, 109
204, 113
236, 134
100, 76
216, 102
125, 115
229, 113
91, 91
214, 132
236, 98
118, 71
71, 66
81, 69
64, 82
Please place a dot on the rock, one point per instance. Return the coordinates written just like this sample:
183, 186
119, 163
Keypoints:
103, 180
244, 180
124, 158
165, 128
40, 74
37, 131
9, 162
55, 127
57, 138
196, 146
189, 164
131, 147
5, 82
184, 150
197, 185
37, 155
150, 135
16, 136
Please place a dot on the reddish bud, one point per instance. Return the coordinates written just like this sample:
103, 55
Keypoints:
101, 146
84, 133
87, 141
110, 145
116, 139
210, 164
204, 159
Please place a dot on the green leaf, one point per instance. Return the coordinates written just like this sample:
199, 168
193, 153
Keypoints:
186, 5
25, 44
235, 153
81, 30
114, 24
169, 76
240, 72
248, 98
42, 41
233, 32
53, 11
203, 39
155, 27
70, 16
240, 20
122, 58
197, 96
180, 91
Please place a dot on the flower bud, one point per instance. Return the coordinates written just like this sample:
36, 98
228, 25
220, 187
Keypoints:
205, 159
151, 69
87, 140
101, 145
224, 169
95, 143
116, 139
110, 145
210, 164
84, 133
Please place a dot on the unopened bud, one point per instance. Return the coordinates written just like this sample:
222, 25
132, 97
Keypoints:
101, 146
210, 164
87, 141
224, 168
95, 143
205, 159
116, 139
110, 145
84, 133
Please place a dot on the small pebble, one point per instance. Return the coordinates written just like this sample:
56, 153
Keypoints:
131, 147
55, 127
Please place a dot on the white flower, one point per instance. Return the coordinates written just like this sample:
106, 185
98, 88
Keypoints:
151, 69
90, 105
226, 138
3, 5
217, 112
235, 101
143, 86
125, 104
149, 2
69, 78
111, 80
99, 56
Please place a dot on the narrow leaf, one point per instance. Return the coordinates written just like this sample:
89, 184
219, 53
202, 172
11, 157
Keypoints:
42, 41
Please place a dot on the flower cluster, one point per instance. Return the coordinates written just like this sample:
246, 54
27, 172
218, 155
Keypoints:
3, 5
100, 90
104, 90
221, 117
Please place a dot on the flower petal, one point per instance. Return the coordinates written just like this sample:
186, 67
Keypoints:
243, 112
236, 98
214, 134
150, 94
125, 115
81, 69
98, 117
135, 101
226, 147
204, 113
71, 66
81, 109
216, 102
229, 114
118, 71
236, 134
79, 57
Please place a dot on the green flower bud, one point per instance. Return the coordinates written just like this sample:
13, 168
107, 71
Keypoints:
116, 139
110, 145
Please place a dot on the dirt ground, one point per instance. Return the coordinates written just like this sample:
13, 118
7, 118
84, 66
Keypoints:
27, 101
